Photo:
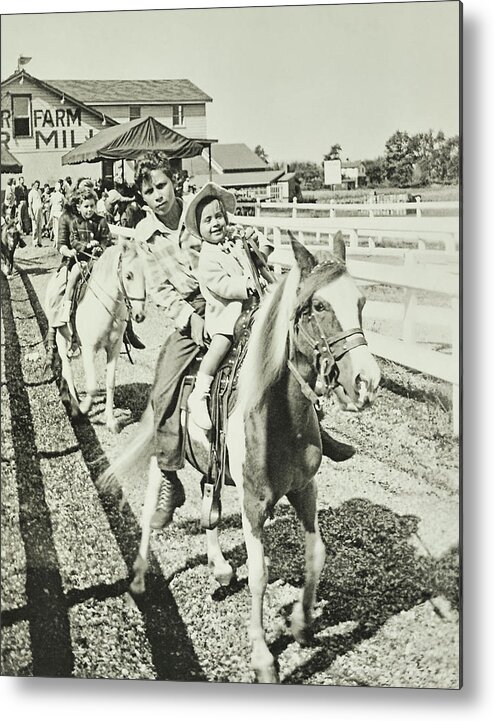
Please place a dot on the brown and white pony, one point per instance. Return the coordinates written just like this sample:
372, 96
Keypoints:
308, 329
11, 238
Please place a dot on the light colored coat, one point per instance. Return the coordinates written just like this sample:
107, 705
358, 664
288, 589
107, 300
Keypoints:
223, 278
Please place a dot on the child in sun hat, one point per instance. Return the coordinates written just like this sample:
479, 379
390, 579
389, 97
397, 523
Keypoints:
225, 280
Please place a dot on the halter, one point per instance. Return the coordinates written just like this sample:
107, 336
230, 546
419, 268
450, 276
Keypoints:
326, 352
121, 287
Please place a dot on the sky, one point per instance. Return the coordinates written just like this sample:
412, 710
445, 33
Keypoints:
294, 80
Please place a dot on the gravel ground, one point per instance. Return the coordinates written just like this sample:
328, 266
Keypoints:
388, 603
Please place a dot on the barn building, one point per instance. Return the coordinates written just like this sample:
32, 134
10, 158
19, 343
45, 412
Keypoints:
41, 120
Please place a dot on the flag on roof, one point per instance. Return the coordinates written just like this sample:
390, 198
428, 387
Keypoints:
23, 60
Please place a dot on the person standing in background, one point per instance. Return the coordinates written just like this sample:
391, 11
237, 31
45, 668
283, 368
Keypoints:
57, 201
22, 212
35, 206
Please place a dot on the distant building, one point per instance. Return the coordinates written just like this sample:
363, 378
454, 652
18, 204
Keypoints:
344, 174
236, 166
42, 119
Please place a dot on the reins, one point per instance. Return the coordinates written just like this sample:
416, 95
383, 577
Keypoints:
127, 299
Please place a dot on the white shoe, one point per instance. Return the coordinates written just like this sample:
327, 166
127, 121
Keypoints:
65, 311
198, 409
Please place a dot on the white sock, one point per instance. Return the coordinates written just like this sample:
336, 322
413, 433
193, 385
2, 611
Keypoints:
202, 384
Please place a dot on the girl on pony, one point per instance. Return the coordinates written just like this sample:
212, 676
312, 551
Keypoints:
89, 236
225, 280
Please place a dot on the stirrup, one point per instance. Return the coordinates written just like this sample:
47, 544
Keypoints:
210, 507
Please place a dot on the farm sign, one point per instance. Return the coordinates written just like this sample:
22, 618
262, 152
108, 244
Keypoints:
54, 128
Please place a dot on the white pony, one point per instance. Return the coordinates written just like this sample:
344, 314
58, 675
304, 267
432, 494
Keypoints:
115, 291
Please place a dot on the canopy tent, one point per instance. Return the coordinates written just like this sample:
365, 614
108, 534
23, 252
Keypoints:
127, 140
9, 162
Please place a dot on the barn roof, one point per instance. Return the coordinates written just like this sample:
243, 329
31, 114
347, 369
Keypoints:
237, 180
237, 156
110, 92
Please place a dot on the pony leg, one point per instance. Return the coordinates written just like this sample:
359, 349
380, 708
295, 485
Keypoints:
111, 367
63, 346
217, 564
88, 354
304, 503
262, 660
150, 500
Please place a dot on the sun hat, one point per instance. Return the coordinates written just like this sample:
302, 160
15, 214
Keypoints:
210, 190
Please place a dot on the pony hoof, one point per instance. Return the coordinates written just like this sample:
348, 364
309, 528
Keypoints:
224, 575
266, 675
113, 426
138, 585
84, 407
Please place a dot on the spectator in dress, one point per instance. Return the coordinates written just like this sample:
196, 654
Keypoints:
35, 206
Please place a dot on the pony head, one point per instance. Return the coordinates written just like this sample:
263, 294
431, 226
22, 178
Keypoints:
132, 277
328, 326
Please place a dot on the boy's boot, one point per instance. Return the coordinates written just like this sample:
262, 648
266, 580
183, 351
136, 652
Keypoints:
131, 337
170, 496
336, 450
197, 403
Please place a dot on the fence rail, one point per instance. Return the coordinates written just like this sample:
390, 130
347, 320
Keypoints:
421, 271
335, 209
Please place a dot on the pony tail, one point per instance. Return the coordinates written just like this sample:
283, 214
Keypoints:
133, 457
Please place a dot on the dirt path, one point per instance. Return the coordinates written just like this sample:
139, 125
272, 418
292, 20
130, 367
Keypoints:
388, 608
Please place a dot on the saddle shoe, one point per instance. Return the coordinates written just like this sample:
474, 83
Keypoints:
170, 496
131, 337
336, 450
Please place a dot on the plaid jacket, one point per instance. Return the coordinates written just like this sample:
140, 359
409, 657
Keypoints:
171, 258
84, 232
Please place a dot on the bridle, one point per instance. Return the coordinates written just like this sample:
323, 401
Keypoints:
126, 299
326, 352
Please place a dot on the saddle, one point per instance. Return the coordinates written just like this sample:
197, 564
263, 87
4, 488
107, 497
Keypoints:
222, 399
77, 297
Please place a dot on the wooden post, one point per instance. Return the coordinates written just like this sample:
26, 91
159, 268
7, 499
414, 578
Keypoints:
258, 208
353, 238
209, 163
294, 208
409, 316
418, 200
455, 322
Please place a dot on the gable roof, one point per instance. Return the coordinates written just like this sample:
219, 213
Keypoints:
237, 180
132, 92
51, 88
236, 156
351, 163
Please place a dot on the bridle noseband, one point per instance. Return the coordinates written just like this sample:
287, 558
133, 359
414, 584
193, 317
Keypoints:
326, 352
126, 297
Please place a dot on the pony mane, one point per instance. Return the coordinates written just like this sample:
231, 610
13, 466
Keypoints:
268, 349
107, 262
268, 346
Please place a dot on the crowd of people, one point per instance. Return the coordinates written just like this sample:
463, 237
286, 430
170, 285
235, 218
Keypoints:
38, 209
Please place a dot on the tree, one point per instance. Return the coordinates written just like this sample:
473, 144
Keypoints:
261, 153
399, 160
375, 171
310, 175
334, 152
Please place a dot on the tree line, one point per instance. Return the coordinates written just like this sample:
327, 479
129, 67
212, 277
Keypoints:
409, 160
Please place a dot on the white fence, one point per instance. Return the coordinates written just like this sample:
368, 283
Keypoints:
334, 209
420, 270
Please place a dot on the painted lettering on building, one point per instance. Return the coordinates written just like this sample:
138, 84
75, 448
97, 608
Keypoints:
53, 128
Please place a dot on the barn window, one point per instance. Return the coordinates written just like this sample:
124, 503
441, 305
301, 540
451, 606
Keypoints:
134, 112
21, 113
178, 115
